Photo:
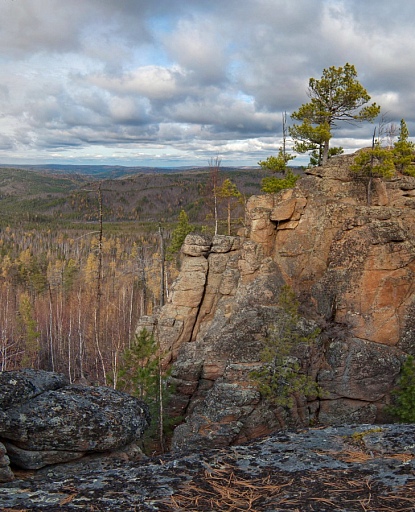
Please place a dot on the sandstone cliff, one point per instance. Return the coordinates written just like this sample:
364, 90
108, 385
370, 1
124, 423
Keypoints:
352, 266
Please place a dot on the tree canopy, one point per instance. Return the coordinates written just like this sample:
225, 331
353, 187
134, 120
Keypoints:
277, 163
337, 96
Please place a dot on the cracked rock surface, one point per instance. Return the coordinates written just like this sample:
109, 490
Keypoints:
343, 468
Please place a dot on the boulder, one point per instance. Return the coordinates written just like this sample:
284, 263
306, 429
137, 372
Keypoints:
21, 386
63, 424
196, 245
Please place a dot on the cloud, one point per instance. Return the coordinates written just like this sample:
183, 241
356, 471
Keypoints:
187, 80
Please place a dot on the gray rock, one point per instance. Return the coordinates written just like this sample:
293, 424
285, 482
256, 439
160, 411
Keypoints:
360, 370
5, 472
196, 245
36, 459
21, 386
63, 424
375, 463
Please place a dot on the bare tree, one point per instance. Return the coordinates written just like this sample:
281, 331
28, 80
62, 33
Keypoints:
214, 166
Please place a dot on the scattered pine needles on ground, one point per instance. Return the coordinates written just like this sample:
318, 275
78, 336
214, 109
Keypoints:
228, 490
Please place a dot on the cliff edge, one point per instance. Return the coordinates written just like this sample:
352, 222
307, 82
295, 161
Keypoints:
352, 267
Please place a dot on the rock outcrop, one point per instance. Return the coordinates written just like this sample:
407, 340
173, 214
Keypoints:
336, 468
44, 420
352, 266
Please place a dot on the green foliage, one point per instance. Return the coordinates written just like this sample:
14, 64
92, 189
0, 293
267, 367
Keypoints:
337, 96
310, 138
404, 394
276, 163
137, 374
228, 189
315, 157
403, 151
29, 331
179, 233
280, 379
375, 162
140, 375
272, 185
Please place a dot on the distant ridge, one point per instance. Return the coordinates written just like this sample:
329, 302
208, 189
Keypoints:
114, 171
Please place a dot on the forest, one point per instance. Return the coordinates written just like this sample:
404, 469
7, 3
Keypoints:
81, 260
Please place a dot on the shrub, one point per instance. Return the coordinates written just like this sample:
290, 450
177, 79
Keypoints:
272, 185
280, 379
404, 394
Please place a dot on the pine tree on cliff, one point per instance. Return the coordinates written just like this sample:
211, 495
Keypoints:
403, 151
376, 162
337, 96
182, 229
280, 379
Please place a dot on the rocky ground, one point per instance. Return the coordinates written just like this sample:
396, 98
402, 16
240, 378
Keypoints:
348, 468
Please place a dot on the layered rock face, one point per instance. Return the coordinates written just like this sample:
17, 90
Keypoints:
44, 420
352, 266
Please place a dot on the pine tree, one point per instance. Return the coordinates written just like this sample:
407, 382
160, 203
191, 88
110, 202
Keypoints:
277, 163
403, 151
336, 96
272, 184
140, 374
376, 162
404, 394
179, 233
230, 193
280, 378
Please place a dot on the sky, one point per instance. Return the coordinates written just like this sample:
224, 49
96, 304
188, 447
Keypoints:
179, 82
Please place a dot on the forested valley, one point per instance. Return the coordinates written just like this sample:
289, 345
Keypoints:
81, 260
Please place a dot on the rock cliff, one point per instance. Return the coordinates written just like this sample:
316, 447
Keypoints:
352, 266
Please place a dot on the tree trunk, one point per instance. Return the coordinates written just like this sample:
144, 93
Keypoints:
325, 152
162, 258
229, 217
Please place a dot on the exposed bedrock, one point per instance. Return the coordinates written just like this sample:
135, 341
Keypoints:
352, 267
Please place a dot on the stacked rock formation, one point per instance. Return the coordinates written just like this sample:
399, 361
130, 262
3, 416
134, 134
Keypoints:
352, 266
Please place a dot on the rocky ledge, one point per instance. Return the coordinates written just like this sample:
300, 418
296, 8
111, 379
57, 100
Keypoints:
345, 468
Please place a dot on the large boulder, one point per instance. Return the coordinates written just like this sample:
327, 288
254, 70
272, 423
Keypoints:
21, 386
63, 424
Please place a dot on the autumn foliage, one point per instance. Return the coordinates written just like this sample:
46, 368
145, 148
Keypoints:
51, 316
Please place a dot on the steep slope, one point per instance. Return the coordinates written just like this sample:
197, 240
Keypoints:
352, 266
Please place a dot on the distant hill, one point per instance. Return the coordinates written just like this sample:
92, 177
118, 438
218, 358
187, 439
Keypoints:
144, 194
112, 171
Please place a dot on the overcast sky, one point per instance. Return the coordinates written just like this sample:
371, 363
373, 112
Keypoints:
176, 82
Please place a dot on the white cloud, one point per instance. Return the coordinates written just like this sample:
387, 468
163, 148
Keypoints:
185, 80
152, 82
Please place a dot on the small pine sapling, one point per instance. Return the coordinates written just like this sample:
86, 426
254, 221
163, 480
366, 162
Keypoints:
404, 394
280, 379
